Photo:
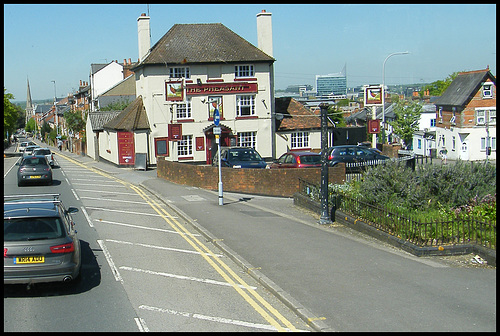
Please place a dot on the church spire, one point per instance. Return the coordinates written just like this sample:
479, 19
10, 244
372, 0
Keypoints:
29, 104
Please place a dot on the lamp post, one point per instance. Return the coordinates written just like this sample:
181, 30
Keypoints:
383, 87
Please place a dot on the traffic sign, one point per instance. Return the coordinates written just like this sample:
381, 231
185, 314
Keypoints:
216, 117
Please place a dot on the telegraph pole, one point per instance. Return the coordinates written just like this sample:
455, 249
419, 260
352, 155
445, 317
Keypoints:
325, 216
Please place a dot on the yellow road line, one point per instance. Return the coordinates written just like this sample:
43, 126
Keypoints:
209, 256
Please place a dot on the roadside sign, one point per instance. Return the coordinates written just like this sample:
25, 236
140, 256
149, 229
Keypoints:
217, 130
216, 117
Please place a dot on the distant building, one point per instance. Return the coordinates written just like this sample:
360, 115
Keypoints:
332, 84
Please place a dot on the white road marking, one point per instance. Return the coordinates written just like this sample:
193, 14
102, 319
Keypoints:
210, 318
128, 212
141, 324
74, 193
193, 198
88, 218
183, 277
160, 247
116, 274
112, 200
143, 227
109, 192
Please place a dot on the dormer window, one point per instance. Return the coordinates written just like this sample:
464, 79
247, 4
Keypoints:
487, 90
453, 120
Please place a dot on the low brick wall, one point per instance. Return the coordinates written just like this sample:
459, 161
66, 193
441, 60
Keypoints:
270, 182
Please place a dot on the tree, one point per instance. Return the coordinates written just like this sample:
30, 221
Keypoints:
31, 126
407, 115
74, 121
438, 87
335, 116
10, 114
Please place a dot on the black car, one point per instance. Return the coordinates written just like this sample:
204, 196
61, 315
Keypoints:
34, 169
40, 241
352, 154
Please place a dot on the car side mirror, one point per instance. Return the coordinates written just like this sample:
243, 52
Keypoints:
72, 210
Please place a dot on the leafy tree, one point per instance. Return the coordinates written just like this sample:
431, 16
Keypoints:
31, 125
116, 106
438, 87
336, 116
10, 114
74, 121
405, 123
45, 129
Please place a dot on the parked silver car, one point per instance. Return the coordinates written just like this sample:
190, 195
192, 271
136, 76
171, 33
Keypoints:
40, 241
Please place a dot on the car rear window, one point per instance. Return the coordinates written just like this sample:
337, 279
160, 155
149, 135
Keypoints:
244, 155
24, 229
310, 159
41, 151
34, 162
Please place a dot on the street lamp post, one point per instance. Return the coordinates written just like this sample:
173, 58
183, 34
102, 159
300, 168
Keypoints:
383, 88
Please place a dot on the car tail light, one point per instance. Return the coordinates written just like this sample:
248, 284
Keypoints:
4, 252
64, 248
298, 159
46, 169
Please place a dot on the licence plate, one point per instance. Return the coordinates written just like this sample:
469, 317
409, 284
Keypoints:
29, 260
35, 176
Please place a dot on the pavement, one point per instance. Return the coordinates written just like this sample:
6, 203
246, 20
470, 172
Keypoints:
270, 234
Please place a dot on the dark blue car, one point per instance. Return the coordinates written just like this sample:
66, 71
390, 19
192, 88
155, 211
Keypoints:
239, 157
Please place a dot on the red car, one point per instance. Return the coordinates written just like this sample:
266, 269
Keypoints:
298, 160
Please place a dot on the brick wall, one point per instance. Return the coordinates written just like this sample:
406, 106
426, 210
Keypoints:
270, 182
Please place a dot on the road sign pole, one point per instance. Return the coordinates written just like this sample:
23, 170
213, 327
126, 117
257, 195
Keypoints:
216, 123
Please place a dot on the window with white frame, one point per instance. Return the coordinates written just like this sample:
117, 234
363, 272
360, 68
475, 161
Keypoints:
440, 114
185, 146
183, 110
487, 90
243, 71
492, 116
179, 72
245, 105
299, 140
247, 139
480, 117
485, 144
453, 143
433, 122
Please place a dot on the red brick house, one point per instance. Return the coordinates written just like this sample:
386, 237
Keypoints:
466, 117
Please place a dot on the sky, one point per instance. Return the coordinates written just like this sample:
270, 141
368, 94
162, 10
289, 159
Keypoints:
53, 46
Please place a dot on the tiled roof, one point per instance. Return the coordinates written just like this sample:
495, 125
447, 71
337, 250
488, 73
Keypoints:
99, 119
125, 87
132, 118
464, 87
295, 116
203, 43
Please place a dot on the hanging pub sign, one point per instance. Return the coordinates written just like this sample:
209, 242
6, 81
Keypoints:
175, 132
374, 126
373, 94
174, 91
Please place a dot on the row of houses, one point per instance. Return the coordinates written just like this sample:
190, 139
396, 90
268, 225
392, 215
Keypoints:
176, 85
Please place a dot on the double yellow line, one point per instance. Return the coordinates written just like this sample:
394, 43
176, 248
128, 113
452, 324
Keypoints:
264, 308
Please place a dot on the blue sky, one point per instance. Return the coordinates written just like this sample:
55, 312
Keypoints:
58, 43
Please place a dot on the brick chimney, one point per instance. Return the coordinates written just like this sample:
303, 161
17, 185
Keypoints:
144, 36
265, 32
